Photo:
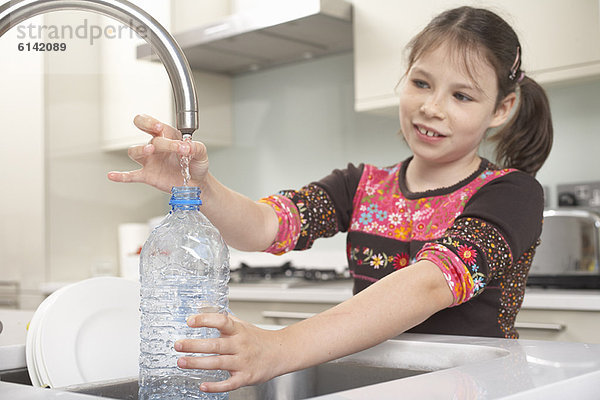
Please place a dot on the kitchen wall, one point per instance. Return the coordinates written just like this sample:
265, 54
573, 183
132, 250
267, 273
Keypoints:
296, 123
575, 152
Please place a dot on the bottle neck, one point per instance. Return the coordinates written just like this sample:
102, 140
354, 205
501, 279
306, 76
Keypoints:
185, 198
184, 208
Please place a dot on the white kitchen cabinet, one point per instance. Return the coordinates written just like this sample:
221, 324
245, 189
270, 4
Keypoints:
72, 84
190, 14
22, 245
560, 39
131, 86
559, 325
284, 306
275, 312
382, 28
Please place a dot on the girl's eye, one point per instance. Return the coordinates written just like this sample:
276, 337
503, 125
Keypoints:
420, 84
462, 97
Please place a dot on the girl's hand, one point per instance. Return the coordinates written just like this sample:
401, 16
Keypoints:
250, 354
160, 158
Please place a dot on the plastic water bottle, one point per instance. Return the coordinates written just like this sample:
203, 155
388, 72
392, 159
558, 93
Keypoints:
184, 270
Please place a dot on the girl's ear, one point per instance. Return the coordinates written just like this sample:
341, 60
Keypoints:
505, 110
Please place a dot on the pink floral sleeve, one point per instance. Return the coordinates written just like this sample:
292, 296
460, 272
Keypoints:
304, 216
289, 224
455, 271
469, 256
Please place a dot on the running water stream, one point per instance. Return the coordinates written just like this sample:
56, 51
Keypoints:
185, 162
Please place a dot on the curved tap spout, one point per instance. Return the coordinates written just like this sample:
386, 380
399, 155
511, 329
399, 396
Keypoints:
186, 105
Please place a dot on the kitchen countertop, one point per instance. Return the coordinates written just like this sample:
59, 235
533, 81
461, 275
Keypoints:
517, 369
529, 370
338, 291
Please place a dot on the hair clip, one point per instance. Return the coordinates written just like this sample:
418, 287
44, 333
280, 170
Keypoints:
515, 67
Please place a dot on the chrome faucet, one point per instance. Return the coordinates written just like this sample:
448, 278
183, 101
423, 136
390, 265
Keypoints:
13, 13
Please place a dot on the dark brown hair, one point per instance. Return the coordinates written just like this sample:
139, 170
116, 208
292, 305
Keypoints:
525, 141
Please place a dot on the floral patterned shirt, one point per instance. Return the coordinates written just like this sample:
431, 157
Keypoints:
481, 233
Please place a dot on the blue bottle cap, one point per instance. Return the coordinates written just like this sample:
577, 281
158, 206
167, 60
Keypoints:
185, 196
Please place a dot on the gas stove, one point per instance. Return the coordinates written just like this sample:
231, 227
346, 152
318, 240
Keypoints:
285, 275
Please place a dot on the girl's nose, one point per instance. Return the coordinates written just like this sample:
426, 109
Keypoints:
432, 109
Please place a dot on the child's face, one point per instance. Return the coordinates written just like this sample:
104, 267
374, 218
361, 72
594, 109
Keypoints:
444, 110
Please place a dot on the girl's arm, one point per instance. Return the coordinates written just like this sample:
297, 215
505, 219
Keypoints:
243, 223
252, 355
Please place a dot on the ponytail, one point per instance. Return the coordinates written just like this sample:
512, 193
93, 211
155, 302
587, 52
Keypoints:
525, 142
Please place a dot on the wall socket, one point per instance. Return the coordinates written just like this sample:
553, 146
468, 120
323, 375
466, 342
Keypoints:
585, 194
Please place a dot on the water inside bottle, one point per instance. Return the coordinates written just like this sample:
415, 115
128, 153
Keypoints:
184, 270
185, 162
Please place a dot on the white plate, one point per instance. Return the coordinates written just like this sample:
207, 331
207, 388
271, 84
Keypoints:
89, 332
32, 342
35, 327
31, 366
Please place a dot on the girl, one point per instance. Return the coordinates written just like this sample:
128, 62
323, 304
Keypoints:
439, 243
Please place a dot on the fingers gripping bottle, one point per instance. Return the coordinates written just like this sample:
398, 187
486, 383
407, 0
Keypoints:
184, 270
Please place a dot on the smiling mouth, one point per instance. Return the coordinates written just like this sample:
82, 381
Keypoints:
428, 133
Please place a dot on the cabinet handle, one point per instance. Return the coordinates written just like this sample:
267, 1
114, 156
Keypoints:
9, 303
545, 326
286, 314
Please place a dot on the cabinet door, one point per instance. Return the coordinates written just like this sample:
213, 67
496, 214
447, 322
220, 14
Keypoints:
560, 39
22, 208
190, 14
382, 29
131, 86
380, 34
565, 326
275, 313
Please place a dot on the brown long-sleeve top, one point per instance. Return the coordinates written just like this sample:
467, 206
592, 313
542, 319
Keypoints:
481, 232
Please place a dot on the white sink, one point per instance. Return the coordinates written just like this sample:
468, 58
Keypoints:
424, 356
13, 337
388, 361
